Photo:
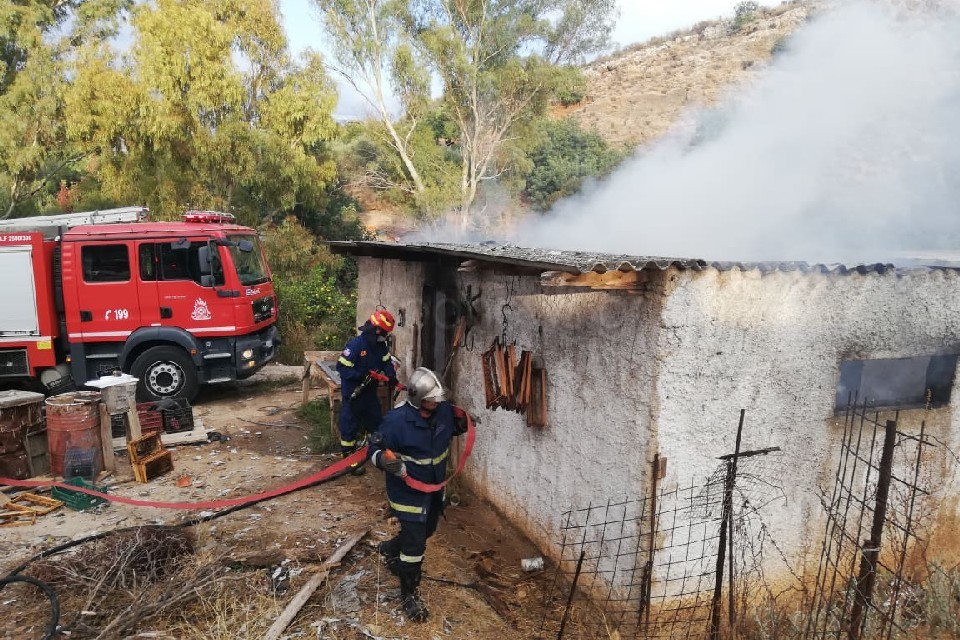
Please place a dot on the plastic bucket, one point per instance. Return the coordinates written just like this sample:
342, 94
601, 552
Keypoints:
73, 424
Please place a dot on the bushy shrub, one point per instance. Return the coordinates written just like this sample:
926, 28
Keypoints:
316, 291
572, 87
562, 157
744, 13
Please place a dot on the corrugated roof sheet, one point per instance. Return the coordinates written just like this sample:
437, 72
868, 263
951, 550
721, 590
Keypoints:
583, 262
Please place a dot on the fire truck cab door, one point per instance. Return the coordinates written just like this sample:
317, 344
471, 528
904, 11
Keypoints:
107, 292
171, 292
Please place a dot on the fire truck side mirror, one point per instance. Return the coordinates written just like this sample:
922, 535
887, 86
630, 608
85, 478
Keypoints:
206, 256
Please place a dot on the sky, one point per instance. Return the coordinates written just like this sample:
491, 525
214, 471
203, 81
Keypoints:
639, 20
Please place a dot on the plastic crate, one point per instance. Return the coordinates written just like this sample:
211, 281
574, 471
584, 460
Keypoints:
150, 419
76, 500
179, 419
61, 385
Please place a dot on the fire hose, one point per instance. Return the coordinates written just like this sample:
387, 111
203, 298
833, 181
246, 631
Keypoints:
233, 504
323, 475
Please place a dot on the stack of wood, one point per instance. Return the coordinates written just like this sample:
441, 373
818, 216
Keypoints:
515, 384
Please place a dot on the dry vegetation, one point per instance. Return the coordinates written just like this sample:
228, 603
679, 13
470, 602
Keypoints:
639, 93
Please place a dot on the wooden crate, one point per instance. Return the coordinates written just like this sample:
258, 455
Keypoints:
153, 466
42, 505
144, 447
15, 515
37, 457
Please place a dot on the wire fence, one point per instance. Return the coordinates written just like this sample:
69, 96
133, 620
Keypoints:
870, 529
686, 560
664, 565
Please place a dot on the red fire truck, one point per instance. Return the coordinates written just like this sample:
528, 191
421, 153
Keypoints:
175, 304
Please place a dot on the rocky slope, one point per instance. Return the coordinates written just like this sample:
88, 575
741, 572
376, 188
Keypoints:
636, 96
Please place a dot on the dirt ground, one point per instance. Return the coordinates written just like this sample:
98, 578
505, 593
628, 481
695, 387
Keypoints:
473, 586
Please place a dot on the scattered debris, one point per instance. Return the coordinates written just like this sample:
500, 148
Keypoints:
277, 628
344, 598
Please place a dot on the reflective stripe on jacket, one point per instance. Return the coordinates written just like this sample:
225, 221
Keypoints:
424, 446
362, 355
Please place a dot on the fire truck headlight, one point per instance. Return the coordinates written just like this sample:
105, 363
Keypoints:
247, 354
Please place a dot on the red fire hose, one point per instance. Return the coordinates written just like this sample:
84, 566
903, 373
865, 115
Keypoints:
319, 476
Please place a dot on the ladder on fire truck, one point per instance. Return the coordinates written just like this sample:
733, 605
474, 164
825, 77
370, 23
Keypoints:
52, 224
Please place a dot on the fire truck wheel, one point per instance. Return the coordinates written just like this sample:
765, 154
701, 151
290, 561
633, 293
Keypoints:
165, 372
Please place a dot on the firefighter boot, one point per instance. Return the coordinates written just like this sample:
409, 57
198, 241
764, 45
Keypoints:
413, 606
357, 468
389, 550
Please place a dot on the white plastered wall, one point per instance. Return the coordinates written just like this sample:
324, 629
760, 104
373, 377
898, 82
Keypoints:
396, 285
772, 344
597, 348
668, 371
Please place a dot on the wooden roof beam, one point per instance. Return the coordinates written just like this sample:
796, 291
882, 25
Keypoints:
611, 280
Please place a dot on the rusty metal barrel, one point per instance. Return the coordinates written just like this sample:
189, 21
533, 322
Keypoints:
73, 434
20, 411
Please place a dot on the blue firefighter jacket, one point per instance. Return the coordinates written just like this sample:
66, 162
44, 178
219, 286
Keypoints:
362, 355
424, 446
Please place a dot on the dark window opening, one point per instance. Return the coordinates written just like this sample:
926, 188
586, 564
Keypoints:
105, 263
163, 261
148, 263
897, 383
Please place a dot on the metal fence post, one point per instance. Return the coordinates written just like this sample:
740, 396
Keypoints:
863, 598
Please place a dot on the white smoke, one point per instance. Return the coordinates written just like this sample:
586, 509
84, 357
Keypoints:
847, 147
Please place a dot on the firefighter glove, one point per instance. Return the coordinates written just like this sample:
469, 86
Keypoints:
395, 466
379, 377
460, 420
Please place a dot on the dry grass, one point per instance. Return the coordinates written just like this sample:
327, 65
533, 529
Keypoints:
116, 585
152, 579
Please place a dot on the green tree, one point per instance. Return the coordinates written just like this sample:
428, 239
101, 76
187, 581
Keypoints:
181, 123
376, 58
563, 157
496, 61
316, 290
744, 13
368, 160
36, 41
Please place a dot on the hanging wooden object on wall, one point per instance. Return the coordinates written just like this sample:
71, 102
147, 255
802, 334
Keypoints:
537, 408
510, 369
503, 377
492, 366
521, 382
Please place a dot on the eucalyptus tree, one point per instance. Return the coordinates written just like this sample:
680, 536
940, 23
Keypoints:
500, 62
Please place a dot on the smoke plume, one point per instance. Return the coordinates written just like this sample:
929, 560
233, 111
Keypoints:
846, 147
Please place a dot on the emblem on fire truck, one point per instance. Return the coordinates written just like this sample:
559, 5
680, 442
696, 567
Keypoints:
200, 310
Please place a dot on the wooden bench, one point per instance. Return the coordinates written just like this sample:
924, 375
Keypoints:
320, 368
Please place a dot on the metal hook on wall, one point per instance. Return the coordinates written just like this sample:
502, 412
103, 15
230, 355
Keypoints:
503, 311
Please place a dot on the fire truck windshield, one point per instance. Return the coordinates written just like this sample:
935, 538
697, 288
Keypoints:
250, 265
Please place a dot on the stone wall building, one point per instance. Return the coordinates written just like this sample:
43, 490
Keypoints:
651, 356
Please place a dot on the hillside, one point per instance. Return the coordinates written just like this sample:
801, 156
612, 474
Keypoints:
636, 96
